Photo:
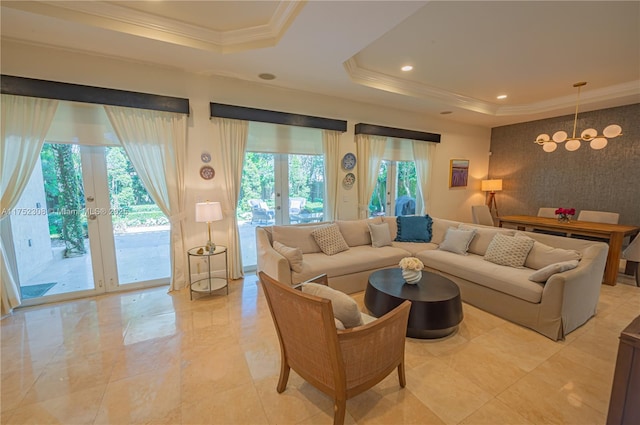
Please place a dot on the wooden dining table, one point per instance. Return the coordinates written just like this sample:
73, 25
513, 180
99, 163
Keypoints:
613, 233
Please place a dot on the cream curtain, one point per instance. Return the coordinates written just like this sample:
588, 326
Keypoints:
25, 122
233, 142
370, 150
155, 142
331, 150
423, 153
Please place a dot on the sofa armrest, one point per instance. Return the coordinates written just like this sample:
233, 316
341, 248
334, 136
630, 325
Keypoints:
575, 292
269, 260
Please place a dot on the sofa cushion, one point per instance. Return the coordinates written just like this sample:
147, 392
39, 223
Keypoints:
483, 237
545, 273
355, 260
414, 228
542, 255
380, 235
356, 232
413, 247
345, 308
297, 236
330, 239
439, 228
293, 255
474, 268
508, 250
457, 240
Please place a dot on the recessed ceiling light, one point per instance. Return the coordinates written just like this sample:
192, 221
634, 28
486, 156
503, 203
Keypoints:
446, 112
407, 68
502, 96
267, 76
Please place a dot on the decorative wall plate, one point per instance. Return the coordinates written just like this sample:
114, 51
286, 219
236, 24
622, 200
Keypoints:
349, 161
207, 172
349, 180
205, 156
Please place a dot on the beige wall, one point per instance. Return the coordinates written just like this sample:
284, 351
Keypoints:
458, 141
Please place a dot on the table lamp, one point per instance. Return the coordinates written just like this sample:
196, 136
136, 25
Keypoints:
492, 186
206, 212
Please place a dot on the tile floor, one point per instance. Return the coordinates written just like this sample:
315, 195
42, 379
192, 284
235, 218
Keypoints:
156, 358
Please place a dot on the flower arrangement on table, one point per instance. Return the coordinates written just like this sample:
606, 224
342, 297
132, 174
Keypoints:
565, 214
411, 269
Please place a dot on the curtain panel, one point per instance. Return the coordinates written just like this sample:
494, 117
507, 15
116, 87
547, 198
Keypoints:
370, 150
233, 143
155, 142
331, 150
423, 153
25, 122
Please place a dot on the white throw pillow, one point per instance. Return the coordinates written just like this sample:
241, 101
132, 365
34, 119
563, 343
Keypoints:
457, 240
345, 308
380, 235
542, 275
330, 239
293, 255
508, 250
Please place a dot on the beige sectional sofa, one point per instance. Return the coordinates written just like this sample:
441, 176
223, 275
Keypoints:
554, 308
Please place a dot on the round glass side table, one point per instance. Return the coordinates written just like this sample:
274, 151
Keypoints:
211, 282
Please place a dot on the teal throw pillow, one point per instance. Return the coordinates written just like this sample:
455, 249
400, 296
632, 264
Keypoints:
414, 228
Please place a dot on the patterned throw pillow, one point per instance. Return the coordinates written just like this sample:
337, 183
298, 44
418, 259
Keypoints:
330, 239
508, 250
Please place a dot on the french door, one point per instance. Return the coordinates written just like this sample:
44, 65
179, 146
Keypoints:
278, 189
93, 227
396, 189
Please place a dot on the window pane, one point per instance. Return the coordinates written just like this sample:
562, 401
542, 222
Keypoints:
378, 203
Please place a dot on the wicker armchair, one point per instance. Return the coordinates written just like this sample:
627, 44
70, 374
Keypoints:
341, 364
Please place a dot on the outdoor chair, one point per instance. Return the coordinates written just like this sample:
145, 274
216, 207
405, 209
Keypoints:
340, 363
260, 212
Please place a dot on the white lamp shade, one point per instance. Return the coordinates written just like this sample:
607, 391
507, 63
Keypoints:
208, 211
598, 143
492, 185
560, 136
572, 145
613, 130
589, 134
549, 146
542, 138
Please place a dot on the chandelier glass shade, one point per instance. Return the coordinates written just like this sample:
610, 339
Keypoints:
590, 135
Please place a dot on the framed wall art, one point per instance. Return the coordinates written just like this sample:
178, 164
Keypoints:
458, 172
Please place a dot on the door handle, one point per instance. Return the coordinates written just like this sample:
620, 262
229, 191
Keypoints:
90, 198
92, 216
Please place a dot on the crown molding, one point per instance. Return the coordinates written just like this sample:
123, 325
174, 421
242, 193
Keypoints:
121, 19
391, 84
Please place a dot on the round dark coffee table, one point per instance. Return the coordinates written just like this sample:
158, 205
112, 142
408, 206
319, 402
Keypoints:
436, 308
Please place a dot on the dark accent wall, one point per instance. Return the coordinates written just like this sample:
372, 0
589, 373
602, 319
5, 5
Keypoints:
586, 179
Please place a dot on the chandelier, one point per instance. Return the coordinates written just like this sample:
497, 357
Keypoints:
589, 135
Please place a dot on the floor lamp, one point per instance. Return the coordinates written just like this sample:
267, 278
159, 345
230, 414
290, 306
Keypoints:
492, 186
206, 212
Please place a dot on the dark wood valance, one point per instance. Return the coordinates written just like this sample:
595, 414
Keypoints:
22, 86
274, 117
399, 133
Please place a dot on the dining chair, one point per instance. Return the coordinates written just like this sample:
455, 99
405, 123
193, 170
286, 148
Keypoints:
632, 255
548, 213
482, 215
596, 217
599, 216
340, 363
